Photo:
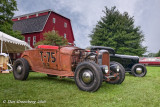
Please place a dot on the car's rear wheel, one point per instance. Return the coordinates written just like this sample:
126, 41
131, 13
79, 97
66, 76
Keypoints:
120, 76
21, 69
88, 76
139, 70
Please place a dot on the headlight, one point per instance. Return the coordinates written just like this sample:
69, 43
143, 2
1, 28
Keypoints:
117, 68
105, 69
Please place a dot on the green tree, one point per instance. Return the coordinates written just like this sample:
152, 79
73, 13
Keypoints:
151, 55
52, 38
117, 30
158, 54
7, 8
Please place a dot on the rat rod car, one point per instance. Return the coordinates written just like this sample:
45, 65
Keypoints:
88, 69
130, 63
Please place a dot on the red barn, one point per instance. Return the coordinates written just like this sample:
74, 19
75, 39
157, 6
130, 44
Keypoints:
33, 25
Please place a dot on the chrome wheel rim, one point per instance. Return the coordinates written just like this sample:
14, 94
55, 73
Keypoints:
19, 69
138, 70
87, 76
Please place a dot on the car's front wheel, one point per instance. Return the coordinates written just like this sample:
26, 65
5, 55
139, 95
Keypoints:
21, 69
139, 70
120, 75
88, 76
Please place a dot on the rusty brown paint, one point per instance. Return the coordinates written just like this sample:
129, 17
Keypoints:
60, 62
52, 61
106, 59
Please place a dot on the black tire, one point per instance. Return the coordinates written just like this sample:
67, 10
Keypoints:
120, 78
49, 75
95, 73
141, 73
21, 69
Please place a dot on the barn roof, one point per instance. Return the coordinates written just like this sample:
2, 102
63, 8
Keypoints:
31, 25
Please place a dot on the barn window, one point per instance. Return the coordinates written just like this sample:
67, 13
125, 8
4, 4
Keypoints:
65, 25
65, 36
34, 40
29, 39
54, 20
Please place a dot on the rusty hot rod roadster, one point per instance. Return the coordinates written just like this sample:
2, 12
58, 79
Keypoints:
88, 69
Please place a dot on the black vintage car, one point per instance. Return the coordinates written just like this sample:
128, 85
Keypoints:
130, 63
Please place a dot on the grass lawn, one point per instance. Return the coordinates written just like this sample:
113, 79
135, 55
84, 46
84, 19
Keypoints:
55, 92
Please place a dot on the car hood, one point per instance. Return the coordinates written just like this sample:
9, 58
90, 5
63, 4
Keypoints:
127, 56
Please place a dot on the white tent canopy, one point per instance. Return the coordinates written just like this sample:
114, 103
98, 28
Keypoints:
10, 44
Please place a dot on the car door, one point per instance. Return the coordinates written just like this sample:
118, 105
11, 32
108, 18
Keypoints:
49, 58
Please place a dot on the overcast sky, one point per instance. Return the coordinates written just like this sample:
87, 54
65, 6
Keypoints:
84, 15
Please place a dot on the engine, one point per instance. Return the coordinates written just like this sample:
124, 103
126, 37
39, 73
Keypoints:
101, 57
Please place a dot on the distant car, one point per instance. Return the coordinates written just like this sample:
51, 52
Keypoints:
130, 63
70, 61
154, 61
